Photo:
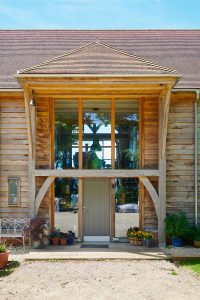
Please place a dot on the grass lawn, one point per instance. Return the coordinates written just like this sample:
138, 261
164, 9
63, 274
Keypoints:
192, 264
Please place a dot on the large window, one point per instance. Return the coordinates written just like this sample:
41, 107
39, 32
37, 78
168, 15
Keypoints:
66, 134
96, 134
96, 129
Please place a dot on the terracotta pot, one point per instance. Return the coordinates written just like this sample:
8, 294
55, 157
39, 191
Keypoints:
63, 242
55, 241
4, 259
196, 244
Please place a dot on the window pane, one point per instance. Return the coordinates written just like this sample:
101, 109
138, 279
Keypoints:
127, 205
66, 134
97, 134
13, 191
66, 204
126, 134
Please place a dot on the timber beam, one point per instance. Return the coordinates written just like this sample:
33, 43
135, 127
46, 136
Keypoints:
108, 173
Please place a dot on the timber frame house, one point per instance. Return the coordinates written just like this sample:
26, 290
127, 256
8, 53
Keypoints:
38, 67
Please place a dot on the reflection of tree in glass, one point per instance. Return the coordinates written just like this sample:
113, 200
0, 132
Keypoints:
65, 137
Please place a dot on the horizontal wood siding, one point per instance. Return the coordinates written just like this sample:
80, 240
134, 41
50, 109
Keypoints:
13, 153
150, 157
180, 155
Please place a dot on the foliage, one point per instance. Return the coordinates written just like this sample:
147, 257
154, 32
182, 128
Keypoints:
193, 264
63, 236
177, 225
131, 230
3, 248
37, 229
9, 268
148, 236
195, 232
55, 233
137, 234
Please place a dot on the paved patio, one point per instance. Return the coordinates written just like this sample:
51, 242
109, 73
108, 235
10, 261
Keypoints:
122, 251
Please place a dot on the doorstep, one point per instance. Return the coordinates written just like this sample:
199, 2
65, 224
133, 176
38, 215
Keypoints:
121, 251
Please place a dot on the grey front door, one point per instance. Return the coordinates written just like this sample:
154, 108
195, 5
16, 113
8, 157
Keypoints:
96, 209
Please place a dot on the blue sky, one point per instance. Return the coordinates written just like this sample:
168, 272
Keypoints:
99, 14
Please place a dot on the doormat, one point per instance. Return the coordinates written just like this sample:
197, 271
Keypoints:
102, 246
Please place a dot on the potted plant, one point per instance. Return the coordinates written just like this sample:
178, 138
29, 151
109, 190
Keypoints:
131, 229
55, 237
63, 239
136, 238
38, 231
148, 239
177, 228
4, 254
196, 236
70, 237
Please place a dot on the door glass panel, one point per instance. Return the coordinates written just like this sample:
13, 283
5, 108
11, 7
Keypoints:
126, 134
66, 134
126, 205
96, 134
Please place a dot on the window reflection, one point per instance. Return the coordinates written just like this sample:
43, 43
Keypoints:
66, 134
126, 134
96, 134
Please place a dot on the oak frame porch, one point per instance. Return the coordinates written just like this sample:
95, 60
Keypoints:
161, 87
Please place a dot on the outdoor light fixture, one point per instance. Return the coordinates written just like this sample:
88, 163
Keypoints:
32, 102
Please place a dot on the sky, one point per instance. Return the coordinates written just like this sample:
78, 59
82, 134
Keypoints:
99, 14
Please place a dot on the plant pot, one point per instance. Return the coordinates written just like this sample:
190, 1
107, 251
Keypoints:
196, 244
148, 243
4, 259
177, 242
63, 242
37, 244
135, 242
55, 241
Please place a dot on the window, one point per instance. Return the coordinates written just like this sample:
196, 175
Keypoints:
13, 191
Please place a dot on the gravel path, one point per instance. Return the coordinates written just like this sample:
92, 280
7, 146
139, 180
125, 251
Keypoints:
105, 280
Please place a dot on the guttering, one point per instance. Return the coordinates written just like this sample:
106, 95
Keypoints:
196, 153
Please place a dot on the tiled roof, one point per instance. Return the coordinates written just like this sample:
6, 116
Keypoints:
176, 49
98, 58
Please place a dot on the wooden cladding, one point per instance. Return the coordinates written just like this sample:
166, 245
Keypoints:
13, 153
180, 156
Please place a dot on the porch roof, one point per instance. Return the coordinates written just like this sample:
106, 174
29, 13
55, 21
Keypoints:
98, 58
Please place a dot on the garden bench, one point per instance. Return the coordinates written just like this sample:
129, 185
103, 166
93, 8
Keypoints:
14, 228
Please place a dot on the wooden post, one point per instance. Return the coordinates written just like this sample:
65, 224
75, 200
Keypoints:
113, 133
141, 162
31, 128
164, 104
80, 182
52, 123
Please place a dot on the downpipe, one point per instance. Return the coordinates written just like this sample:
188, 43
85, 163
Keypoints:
196, 154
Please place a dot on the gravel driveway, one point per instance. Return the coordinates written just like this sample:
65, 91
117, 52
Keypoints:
100, 280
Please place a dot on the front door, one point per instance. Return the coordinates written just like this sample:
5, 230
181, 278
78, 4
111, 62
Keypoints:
96, 209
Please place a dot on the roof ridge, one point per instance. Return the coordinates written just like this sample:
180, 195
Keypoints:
98, 42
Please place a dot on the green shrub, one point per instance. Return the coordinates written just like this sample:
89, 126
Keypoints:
177, 225
3, 248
